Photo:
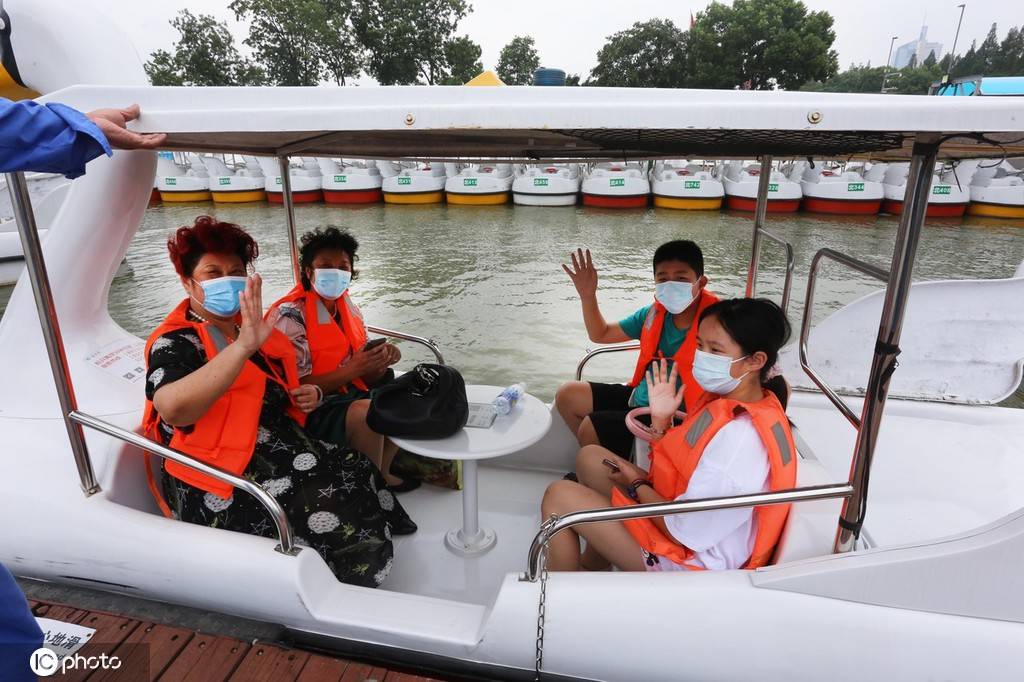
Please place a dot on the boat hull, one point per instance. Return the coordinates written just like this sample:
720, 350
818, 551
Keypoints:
488, 199
528, 199
429, 197
304, 197
353, 196
154, 195
617, 201
944, 210
774, 205
706, 204
841, 206
240, 196
185, 197
992, 210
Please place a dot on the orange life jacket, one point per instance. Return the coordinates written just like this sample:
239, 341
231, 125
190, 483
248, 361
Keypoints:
675, 457
329, 344
226, 435
650, 336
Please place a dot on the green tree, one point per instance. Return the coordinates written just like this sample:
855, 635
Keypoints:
205, 54
1010, 61
302, 42
766, 43
572, 79
857, 78
517, 61
968, 64
930, 60
650, 54
410, 41
463, 56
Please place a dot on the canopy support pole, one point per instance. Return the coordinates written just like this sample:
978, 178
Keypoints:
289, 211
760, 211
883, 363
40, 281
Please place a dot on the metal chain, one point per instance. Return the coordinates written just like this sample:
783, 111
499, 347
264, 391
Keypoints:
539, 660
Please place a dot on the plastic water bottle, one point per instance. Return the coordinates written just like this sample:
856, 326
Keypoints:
508, 398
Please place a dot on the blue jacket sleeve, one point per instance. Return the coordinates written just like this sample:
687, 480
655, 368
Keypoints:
19, 632
50, 138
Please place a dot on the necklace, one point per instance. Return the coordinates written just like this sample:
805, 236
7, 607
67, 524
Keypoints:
200, 318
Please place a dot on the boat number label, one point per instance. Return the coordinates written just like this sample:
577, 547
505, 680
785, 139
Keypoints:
404, 181
617, 182
691, 184
277, 180
340, 178
855, 187
171, 181
540, 182
225, 181
469, 182
773, 187
942, 189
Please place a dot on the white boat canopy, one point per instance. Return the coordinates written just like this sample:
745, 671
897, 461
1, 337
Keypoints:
525, 123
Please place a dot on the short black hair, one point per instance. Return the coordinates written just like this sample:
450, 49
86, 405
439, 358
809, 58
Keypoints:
682, 250
324, 239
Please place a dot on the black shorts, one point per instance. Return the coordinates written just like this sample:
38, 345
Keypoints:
611, 404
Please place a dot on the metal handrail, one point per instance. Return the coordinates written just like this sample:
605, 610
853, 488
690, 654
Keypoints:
286, 539
787, 285
422, 340
598, 351
805, 325
643, 511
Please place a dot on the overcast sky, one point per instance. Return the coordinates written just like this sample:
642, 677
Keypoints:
568, 33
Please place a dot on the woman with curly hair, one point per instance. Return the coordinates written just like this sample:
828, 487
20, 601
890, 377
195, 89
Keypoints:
221, 387
329, 338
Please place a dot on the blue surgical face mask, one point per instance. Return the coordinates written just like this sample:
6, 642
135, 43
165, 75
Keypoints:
712, 372
675, 296
331, 283
221, 295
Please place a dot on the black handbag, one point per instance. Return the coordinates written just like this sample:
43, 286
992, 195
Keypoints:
428, 402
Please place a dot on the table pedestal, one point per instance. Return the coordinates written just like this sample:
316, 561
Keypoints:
471, 539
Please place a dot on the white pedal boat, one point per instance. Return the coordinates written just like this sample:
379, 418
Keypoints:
555, 184
616, 185
478, 184
350, 182
741, 181
684, 185
997, 189
236, 186
836, 191
304, 175
412, 183
930, 589
948, 198
184, 181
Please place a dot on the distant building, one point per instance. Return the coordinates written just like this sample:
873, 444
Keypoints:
920, 48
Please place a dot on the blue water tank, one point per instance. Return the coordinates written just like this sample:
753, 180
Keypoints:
545, 76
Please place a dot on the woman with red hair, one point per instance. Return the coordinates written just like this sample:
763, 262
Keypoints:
221, 386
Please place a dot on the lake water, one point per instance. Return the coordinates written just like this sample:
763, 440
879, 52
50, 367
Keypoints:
485, 282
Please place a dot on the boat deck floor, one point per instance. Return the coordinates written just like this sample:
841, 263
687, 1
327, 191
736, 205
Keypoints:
150, 650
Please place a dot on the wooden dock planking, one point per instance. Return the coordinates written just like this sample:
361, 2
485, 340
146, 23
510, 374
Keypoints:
175, 654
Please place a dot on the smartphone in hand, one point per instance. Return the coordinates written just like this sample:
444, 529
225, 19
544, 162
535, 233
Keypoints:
611, 465
373, 343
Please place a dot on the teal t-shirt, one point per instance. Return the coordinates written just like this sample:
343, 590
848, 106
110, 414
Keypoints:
671, 338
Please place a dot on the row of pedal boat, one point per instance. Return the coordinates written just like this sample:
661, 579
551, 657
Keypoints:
993, 187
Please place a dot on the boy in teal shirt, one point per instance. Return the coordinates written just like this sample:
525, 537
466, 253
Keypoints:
596, 412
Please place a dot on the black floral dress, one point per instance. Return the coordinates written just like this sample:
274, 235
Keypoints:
335, 498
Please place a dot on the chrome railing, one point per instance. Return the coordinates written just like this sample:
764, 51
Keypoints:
787, 284
422, 340
600, 351
286, 538
805, 325
643, 511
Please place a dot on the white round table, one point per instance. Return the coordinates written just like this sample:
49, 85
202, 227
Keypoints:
529, 420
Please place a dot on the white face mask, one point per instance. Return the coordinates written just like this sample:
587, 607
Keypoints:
712, 372
675, 296
331, 283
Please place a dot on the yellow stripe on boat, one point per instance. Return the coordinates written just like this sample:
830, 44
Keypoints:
12, 89
242, 197
493, 199
995, 210
171, 197
414, 197
688, 204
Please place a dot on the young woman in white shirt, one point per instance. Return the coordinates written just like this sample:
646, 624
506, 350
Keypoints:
738, 344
